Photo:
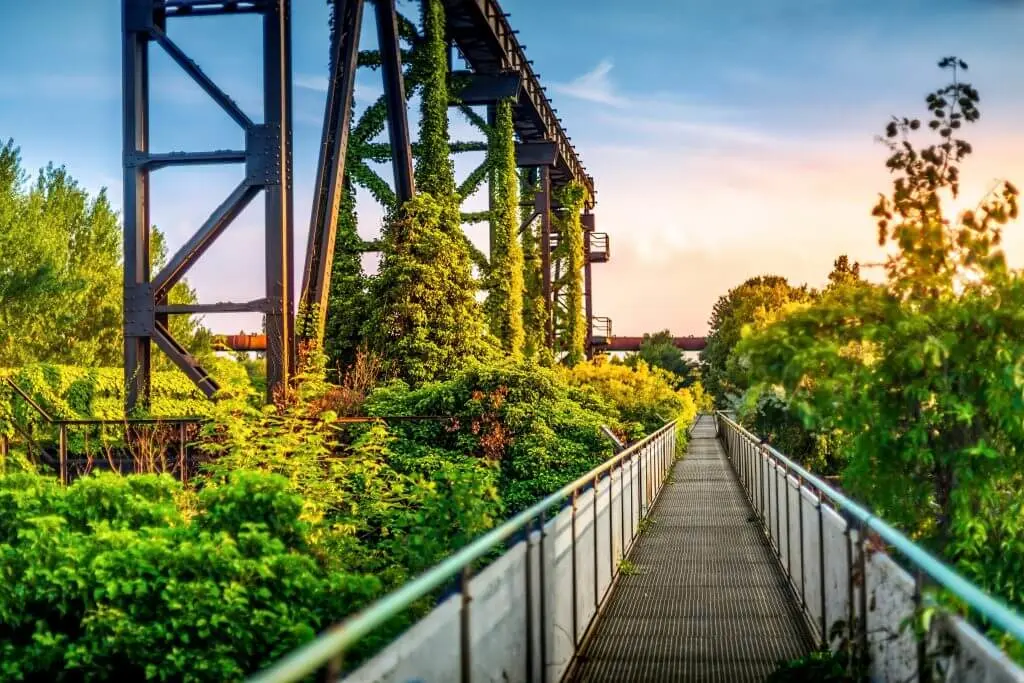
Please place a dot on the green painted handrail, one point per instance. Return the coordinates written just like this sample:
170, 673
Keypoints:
986, 605
336, 640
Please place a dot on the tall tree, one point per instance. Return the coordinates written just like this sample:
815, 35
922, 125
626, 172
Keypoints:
756, 300
843, 272
923, 372
504, 306
658, 350
60, 282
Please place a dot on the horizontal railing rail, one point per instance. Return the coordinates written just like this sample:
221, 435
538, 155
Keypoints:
646, 464
54, 451
835, 584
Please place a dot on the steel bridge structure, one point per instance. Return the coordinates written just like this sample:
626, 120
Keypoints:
708, 563
481, 34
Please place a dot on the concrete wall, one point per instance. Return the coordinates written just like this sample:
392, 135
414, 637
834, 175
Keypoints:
606, 520
827, 548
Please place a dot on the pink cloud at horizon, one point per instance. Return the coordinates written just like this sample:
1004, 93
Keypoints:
684, 230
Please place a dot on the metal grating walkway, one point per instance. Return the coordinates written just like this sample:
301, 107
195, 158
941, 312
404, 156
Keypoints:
708, 601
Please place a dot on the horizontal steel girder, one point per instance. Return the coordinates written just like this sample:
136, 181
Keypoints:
479, 89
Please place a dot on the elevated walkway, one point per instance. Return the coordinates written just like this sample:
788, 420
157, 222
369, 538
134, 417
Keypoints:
711, 569
704, 598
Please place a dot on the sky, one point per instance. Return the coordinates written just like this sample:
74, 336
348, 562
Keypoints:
726, 140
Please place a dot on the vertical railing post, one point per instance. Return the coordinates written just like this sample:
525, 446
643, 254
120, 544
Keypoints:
850, 604
761, 489
622, 510
923, 674
789, 527
778, 512
530, 664
575, 590
331, 671
542, 607
633, 518
611, 528
182, 461
803, 563
640, 478
821, 569
597, 577
465, 638
62, 453
862, 561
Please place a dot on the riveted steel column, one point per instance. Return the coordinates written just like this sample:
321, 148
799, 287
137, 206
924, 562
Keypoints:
330, 171
394, 95
136, 17
278, 194
588, 292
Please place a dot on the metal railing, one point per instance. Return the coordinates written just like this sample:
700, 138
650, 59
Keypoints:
600, 252
169, 435
833, 552
600, 328
528, 612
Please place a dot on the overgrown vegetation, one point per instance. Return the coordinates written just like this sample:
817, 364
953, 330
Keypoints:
504, 305
914, 382
60, 299
570, 322
297, 517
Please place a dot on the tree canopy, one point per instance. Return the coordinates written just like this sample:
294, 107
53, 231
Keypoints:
922, 373
658, 350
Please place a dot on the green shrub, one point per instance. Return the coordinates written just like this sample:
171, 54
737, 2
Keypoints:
76, 393
537, 430
108, 580
642, 395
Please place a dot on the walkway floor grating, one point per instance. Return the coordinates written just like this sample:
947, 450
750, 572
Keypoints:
708, 601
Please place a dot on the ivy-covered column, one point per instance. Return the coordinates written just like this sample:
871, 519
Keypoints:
347, 303
504, 307
573, 327
435, 174
426, 321
534, 307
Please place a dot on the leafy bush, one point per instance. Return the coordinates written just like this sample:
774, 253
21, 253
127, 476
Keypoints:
540, 432
111, 579
75, 393
385, 509
643, 396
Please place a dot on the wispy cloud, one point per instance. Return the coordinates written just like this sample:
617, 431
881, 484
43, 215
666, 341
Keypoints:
668, 117
593, 86
312, 82
676, 128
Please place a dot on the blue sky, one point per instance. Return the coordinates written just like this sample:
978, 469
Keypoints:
726, 139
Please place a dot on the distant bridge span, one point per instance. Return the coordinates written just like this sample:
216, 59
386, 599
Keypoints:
258, 342
619, 343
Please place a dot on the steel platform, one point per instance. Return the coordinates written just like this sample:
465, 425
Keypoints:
707, 600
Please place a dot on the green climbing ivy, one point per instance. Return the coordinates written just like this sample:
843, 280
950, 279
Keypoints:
504, 307
348, 302
426, 322
570, 321
534, 307
434, 172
